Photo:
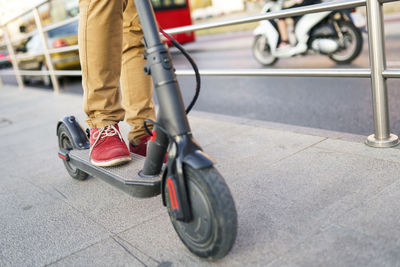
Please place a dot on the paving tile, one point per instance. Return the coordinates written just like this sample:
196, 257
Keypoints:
240, 141
280, 206
36, 228
4, 262
377, 216
249, 150
336, 246
32, 166
107, 205
110, 252
391, 154
158, 240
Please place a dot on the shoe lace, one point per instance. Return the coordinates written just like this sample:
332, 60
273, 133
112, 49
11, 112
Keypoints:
109, 130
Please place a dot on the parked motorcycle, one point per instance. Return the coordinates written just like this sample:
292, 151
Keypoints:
330, 33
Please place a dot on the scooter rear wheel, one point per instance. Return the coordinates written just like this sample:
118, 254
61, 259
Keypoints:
212, 231
66, 144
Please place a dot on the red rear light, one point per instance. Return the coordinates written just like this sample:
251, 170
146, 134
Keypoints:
9, 58
59, 43
2, 56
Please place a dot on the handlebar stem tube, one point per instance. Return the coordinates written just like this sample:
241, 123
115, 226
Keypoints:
171, 114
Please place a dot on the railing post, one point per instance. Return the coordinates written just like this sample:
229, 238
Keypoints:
382, 136
43, 36
14, 60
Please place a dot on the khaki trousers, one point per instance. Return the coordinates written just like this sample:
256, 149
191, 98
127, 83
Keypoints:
111, 48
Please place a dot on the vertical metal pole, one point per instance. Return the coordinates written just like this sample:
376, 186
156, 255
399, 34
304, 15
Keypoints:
43, 36
382, 136
14, 60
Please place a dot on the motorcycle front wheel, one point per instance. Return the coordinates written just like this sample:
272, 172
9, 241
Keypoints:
262, 51
352, 45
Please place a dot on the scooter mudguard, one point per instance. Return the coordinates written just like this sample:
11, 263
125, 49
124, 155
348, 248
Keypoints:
174, 177
198, 160
79, 137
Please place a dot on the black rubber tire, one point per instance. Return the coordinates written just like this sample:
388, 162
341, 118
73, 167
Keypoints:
262, 51
352, 33
66, 144
214, 214
25, 80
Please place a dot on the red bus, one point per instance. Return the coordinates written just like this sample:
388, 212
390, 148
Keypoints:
172, 14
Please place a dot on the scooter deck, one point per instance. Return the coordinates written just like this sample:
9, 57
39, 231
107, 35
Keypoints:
126, 177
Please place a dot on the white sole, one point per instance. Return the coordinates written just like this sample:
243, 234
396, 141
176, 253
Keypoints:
110, 163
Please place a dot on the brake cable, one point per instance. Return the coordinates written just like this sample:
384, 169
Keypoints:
192, 63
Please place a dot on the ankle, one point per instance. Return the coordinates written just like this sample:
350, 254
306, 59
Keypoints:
139, 140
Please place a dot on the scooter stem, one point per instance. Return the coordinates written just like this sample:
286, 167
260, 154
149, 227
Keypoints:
171, 114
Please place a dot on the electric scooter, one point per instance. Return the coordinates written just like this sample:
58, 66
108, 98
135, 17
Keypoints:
197, 198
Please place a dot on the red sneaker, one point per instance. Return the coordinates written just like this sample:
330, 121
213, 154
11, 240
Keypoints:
107, 148
141, 149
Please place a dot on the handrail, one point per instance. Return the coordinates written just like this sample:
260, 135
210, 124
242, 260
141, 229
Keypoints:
344, 73
387, 1
339, 73
391, 73
60, 24
28, 55
51, 51
45, 29
64, 49
291, 12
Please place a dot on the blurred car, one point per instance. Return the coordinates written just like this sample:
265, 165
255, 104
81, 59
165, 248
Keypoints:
63, 36
5, 59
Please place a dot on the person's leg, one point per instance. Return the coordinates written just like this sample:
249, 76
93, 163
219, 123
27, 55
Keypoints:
100, 46
136, 86
100, 49
282, 27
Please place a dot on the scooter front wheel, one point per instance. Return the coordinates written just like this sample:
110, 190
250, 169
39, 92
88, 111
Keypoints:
212, 231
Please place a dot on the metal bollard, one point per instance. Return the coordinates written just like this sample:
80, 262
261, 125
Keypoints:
382, 136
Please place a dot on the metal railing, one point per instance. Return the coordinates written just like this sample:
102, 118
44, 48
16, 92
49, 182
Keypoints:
378, 73
47, 52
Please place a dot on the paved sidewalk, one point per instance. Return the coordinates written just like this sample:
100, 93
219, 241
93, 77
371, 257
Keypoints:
304, 197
